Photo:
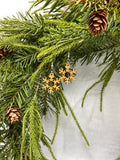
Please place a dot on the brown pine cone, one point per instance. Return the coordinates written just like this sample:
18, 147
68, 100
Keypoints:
3, 53
97, 21
13, 114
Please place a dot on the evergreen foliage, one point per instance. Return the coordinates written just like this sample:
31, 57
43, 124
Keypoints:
36, 40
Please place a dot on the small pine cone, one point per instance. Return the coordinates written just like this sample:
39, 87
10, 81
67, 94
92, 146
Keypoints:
97, 21
3, 52
13, 114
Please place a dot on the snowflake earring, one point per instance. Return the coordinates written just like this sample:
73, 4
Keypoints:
68, 74
51, 83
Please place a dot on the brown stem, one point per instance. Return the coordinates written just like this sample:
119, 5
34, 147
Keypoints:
28, 156
45, 102
46, 93
67, 8
34, 68
38, 3
37, 87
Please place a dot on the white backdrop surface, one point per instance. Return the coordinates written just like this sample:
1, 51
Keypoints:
101, 129
11, 7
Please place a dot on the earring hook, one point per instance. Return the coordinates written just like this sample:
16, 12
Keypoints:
51, 66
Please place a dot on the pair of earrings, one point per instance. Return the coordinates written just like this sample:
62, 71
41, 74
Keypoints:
67, 75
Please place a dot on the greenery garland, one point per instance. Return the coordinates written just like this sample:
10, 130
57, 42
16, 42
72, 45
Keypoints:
28, 45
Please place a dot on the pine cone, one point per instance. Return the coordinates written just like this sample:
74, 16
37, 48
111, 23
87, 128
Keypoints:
13, 114
3, 53
97, 21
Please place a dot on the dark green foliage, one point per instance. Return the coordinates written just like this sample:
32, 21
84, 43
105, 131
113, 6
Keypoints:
74, 10
20, 66
10, 139
27, 27
34, 42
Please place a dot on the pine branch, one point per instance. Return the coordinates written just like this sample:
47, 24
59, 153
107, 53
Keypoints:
34, 43
67, 8
93, 85
56, 128
22, 26
106, 75
45, 142
61, 100
33, 118
75, 119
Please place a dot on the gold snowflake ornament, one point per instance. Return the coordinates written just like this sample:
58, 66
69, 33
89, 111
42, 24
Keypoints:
68, 74
51, 83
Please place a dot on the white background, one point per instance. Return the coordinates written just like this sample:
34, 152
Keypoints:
101, 129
